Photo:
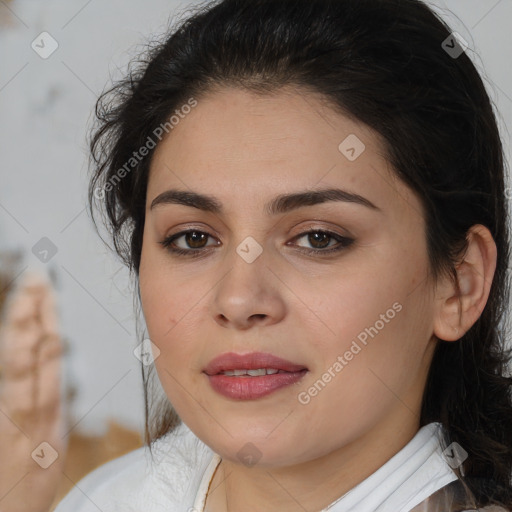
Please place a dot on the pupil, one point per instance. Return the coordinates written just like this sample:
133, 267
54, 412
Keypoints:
192, 235
317, 236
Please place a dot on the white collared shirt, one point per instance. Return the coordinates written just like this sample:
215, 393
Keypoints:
178, 478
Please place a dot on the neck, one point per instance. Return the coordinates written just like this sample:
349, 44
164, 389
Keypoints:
314, 484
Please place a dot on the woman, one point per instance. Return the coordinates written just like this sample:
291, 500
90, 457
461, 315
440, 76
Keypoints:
311, 196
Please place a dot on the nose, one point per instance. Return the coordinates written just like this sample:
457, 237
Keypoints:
249, 295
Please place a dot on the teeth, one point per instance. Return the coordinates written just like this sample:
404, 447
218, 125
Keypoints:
252, 373
256, 373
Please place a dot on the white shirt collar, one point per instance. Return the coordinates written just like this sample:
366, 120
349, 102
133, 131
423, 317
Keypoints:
408, 478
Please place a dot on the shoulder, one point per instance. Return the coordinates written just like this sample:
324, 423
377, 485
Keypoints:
140, 480
110, 482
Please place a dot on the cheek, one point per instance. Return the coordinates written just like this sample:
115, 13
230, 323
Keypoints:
361, 305
366, 371
158, 295
171, 301
163, 307
165, 313
378, 330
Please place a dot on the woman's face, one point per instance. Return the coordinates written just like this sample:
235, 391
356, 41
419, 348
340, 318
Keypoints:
357, 322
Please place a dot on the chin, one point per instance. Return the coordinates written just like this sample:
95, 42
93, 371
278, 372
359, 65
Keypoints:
254, 448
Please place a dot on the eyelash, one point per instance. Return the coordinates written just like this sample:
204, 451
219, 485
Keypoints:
344, 242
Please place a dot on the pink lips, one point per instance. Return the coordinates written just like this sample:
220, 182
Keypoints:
245, 387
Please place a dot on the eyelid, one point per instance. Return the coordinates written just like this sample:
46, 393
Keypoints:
335, 230
300, 231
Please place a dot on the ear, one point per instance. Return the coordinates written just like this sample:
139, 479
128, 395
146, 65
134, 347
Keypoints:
458, 309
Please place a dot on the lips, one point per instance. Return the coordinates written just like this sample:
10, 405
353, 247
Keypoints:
256, 360
252, 376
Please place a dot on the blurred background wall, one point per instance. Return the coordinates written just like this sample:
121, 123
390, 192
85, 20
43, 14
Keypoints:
56, 57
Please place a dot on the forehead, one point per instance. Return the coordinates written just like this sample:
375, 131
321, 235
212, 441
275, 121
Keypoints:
237, 144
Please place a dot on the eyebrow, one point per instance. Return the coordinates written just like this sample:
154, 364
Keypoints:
280, 204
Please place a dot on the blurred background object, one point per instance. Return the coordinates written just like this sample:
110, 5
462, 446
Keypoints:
10, 264
84, 452
6, 18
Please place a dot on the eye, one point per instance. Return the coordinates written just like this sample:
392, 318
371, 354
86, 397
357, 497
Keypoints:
193, 238
320, 239
196, 239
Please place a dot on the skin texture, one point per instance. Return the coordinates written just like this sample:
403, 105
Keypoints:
30, 403
245, 150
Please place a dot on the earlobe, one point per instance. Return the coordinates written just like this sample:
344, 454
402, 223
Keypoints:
459, 305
